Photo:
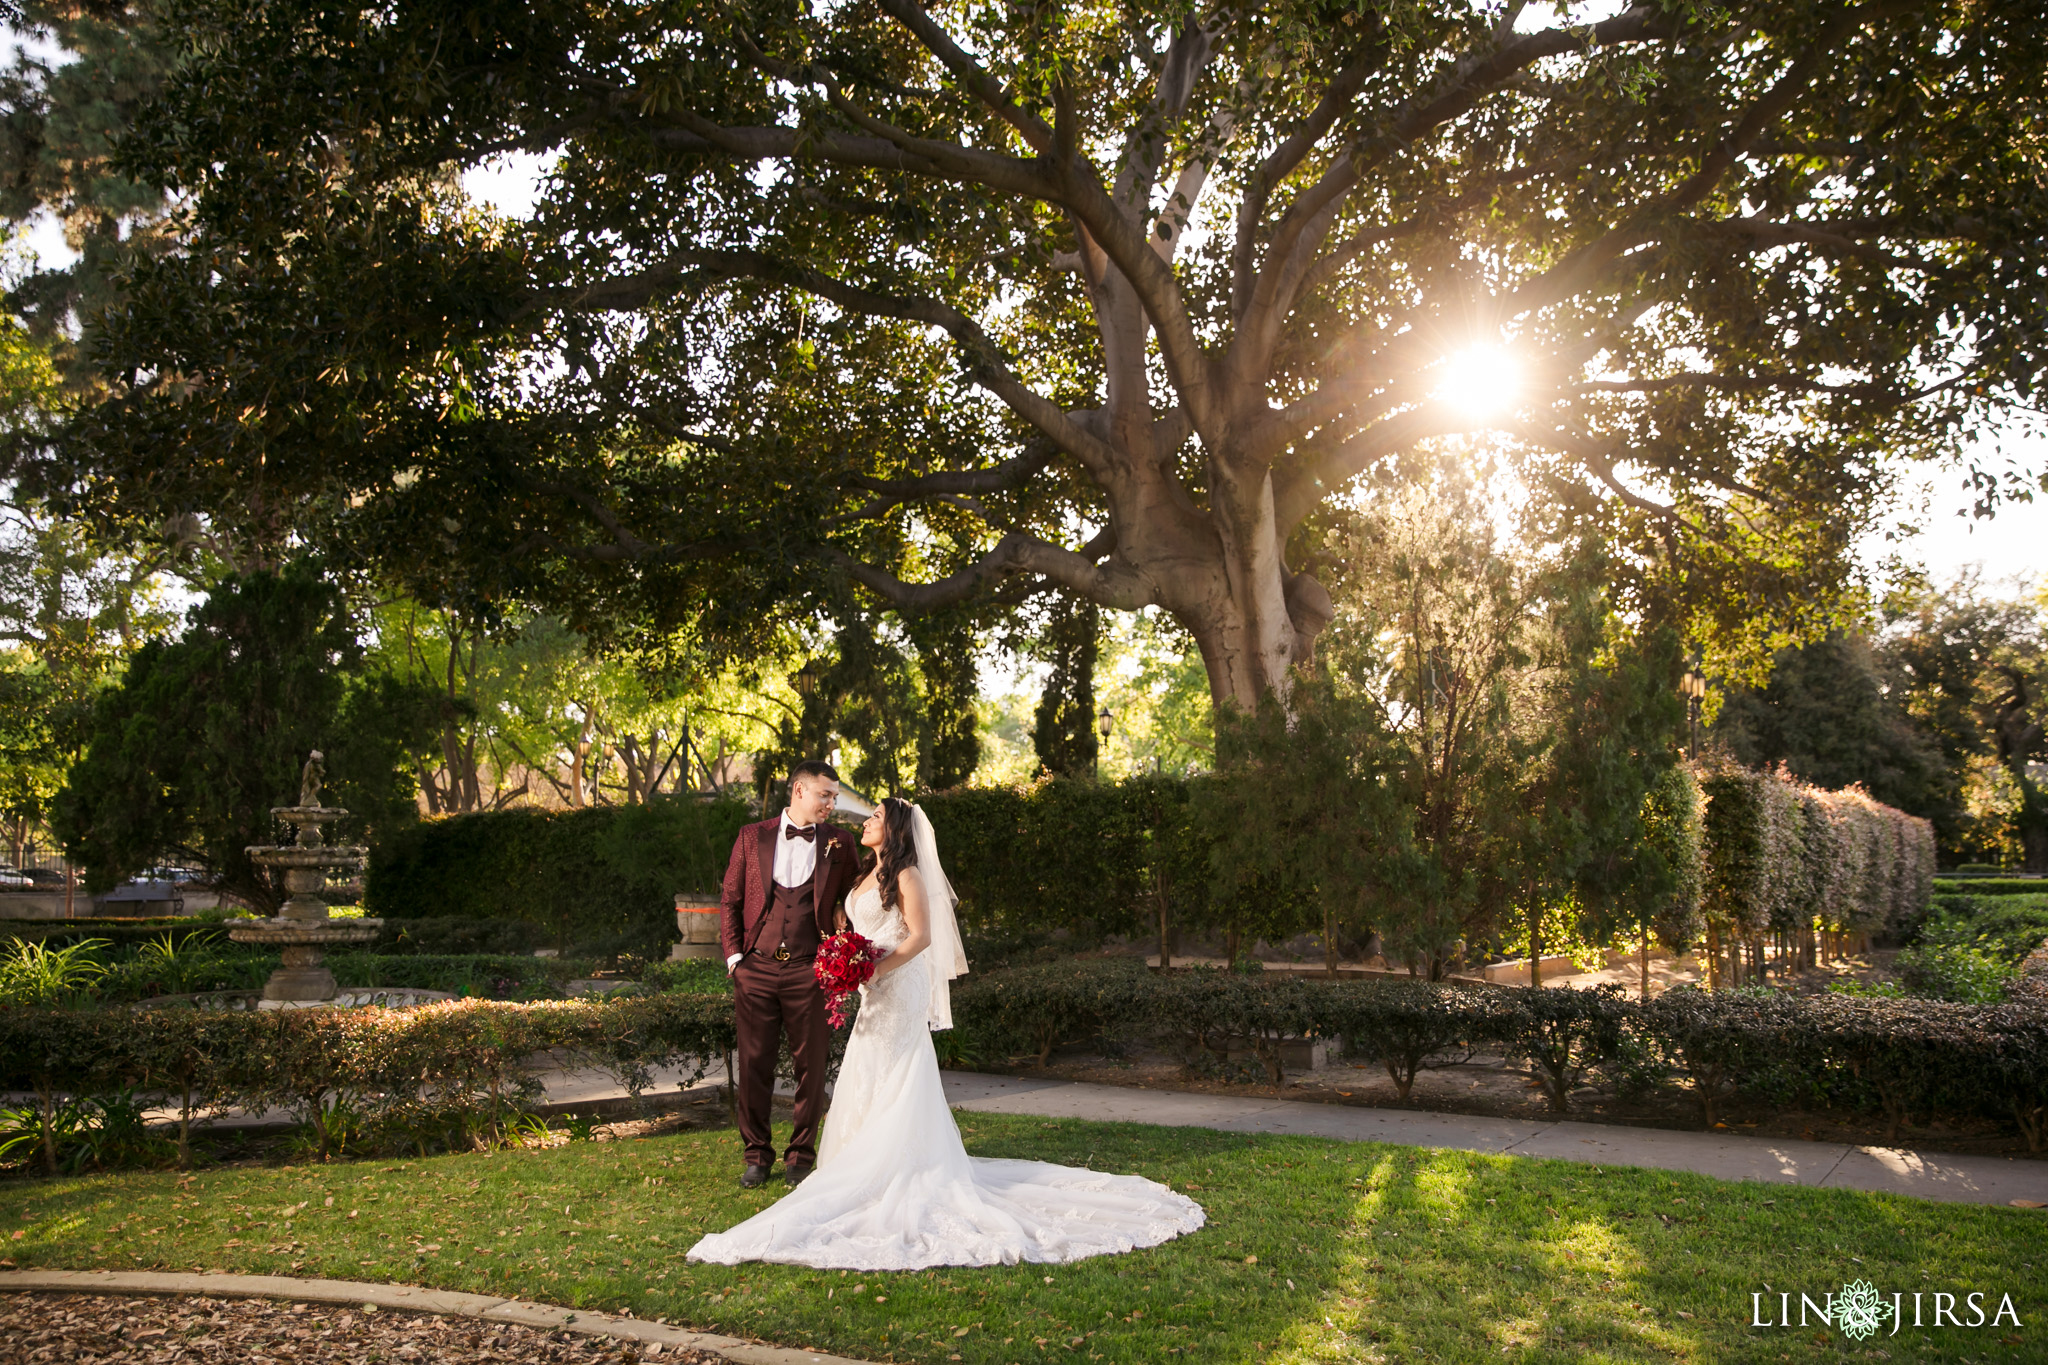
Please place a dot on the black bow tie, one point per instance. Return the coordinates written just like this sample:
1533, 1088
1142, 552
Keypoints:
807, 832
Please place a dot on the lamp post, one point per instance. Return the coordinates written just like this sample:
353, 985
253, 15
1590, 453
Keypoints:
1693, 687
805, 679
1104, 722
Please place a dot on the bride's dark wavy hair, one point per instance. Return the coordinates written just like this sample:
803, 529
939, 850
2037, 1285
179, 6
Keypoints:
898, 850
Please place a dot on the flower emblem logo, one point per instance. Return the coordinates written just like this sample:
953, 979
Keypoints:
1859, 1312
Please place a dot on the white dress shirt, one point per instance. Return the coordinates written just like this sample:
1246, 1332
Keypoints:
795, 861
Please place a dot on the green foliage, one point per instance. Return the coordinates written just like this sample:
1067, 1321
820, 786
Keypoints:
1064, 731
1306, 825
709, 431
601, 879
949, 741
1565, 1033
692, 976
1063, 853
477, 975
1782, 856
1672, 858
2007, 928
1962, 973
1837, 713
34, 973
205, 734
446, 935
1991, 886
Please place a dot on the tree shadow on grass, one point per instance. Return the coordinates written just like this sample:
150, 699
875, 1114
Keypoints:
1316, 1250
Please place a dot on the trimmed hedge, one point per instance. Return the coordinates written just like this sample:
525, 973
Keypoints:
596, 882
442, 935
459, 1068
123, 935
1893, 1056
1991, 886
1130, 857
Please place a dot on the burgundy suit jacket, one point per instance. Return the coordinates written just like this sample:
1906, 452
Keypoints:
749, 879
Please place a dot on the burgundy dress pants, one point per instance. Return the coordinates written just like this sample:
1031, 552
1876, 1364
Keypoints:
770, 998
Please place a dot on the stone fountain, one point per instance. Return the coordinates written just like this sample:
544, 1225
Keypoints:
303, 928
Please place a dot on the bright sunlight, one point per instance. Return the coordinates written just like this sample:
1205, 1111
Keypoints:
1481, 382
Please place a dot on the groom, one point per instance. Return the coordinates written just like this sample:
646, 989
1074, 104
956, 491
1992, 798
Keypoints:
782, 889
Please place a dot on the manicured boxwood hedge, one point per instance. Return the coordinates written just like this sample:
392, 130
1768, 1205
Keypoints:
1895, 1057
1991, 886
592, 882
1095, 858
461, 1065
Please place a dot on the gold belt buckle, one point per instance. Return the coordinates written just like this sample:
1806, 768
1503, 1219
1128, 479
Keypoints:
782, 952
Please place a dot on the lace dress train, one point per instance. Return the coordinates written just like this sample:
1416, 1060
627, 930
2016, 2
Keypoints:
896, 1190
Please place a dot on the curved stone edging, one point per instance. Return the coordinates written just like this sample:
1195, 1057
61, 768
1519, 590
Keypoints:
409, 1299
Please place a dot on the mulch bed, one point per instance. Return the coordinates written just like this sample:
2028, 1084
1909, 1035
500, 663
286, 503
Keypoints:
152, 1330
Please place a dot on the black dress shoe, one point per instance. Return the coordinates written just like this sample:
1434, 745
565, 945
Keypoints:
754, 1177
793, 1172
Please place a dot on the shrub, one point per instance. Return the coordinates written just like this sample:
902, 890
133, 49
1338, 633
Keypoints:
605, 876
1562, 1033
1991, 886
698, 976
2009, 928
1415, 1026
447, 935
1962, 973
33, 973
1719, 1039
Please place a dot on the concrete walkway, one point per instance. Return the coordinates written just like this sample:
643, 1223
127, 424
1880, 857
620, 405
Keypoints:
408, 1299
1728, 1156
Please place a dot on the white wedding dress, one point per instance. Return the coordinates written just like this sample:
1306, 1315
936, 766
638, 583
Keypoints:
895, 1190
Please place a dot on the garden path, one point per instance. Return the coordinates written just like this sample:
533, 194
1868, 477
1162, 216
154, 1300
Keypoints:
1947, 1176
1728, 1156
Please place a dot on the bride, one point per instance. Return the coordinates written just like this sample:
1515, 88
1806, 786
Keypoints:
894, 1188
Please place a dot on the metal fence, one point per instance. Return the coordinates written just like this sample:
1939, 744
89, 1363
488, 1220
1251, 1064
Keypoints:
35, 866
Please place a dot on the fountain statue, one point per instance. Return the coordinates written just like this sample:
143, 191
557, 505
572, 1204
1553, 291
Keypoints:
302, 927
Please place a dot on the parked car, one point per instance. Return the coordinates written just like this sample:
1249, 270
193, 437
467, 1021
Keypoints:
13, 879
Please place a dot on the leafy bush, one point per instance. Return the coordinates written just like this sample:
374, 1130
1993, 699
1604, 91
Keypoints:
1992, 886
480, 975
2007, 927
1962, 973
33, 973
1563, 1033
696, 976
121, 937
458, 1071
603, 877
446, 935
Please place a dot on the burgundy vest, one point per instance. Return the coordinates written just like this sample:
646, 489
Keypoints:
792, 923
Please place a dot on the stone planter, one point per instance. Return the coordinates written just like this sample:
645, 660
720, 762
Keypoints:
697, 922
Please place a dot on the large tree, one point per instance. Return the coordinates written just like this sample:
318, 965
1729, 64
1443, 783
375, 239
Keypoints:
919, 305
206, 733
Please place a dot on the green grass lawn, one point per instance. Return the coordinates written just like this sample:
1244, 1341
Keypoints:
1315, 1251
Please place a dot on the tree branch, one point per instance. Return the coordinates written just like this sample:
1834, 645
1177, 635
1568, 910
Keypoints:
971, 74
1002, 478
1469, 81
985, 360
1112, 585
1279, 163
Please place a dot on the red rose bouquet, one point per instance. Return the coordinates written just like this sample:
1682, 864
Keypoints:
844, 964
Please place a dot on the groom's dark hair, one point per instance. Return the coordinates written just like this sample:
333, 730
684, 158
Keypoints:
812, 767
